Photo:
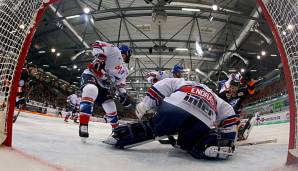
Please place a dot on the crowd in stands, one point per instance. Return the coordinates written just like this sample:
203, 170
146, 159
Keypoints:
267, 92
48, 91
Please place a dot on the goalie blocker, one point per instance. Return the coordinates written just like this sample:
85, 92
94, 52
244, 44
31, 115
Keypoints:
194, 135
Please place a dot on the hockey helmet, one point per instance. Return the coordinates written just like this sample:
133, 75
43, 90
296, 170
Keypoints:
177, 68
126, 51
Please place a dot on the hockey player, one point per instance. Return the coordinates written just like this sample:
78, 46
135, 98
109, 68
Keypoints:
25, 84
73, 102
234, 95
205, 124
107, 68
155, 76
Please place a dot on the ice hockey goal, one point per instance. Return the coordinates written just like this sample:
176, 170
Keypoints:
18, 22
282, 18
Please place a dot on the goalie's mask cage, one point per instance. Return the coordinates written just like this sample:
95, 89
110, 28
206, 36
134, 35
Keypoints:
19, 19
18, 23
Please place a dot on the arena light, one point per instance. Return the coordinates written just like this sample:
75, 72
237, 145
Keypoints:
290, 27
284, 33
45, 65
78, 77
63, 66
75, 66
73, 16
53, 50
242, 70
86, 10
191, 9
92, 20
214, 7
263, 53
58, 54
181, 49
41, 51
273, 55
199, 49
131, 68
258, 57
22, 26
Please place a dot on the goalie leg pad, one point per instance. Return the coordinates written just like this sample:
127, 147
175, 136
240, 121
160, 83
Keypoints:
214, 145
135, 133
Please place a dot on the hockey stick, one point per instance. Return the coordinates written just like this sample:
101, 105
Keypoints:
258, 142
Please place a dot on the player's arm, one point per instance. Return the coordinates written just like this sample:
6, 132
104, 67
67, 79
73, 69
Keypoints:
226, 118
156, 93
119, 78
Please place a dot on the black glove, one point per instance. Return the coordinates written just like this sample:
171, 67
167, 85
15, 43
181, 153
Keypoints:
125, 100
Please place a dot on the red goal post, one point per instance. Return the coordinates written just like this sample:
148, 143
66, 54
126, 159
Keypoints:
282, 18
18, 22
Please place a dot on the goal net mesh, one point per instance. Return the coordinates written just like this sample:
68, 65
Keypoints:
284, 17
17, 20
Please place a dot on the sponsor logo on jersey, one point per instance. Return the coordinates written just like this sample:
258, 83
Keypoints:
202, 93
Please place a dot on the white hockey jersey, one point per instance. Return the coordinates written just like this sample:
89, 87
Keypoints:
195, 98
73, 100
226, 84
158, 75
115, 68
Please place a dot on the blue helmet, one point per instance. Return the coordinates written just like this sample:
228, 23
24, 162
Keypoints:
125, 50
177, 68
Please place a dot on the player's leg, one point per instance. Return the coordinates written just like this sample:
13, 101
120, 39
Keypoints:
89, 95
245, 130
76, 114
68, 113
110, 109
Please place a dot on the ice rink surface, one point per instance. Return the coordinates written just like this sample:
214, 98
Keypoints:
51, 140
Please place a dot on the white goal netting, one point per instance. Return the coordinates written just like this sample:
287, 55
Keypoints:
282, 18
18, 20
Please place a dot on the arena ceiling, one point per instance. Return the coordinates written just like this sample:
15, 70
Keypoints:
230, 37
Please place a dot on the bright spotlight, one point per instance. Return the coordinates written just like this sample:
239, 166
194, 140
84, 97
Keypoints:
75, 66
290, 27
86, 10
258, 57
58, 54
53, 50
242, 70
22, 26
214, 7
263, 53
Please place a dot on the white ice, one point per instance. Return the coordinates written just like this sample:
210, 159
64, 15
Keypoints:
50, 139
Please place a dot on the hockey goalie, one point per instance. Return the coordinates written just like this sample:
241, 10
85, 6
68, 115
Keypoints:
205, 124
